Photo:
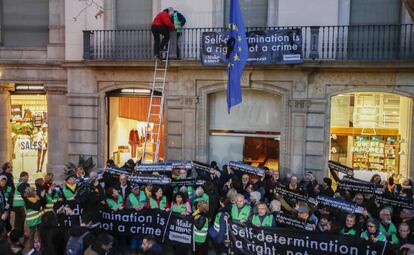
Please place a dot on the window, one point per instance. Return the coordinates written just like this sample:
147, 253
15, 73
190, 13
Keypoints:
24, 23
375, 12
254, 12
133, 14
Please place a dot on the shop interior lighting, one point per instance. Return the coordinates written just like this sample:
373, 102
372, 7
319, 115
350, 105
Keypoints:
29, 87
136, 91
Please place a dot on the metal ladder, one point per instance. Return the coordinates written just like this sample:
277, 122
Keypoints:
156, 107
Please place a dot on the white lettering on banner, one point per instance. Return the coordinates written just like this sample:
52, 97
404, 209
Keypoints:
331, 246
179, 237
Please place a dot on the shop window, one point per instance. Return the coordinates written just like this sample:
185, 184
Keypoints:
371, 132
29, 134
254, 12
127, 119
24, 23
250, 133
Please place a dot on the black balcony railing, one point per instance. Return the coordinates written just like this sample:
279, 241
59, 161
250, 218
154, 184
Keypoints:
363, 42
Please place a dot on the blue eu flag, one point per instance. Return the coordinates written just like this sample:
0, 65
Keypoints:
237, 53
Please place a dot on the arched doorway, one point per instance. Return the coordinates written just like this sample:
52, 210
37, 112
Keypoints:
250, 133
371, 132
126, 113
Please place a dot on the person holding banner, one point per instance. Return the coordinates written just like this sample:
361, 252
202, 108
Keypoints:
373, 234
387, 227
200, 228
240, 211
199, 195
136, 199
114, 199
262, 218
33, 208
158, 200
180, 205
350, 226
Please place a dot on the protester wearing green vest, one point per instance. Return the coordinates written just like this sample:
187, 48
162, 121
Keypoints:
387, 227
180, 205
136, 199
200, 228
158, 200
262, 219
114, 199
179, 22
350, 228
33, 207
373, 234
18, 203
200, 195
240, 211
70, 188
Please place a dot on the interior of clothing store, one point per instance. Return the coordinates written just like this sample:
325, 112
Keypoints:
371, 132
127, 120
29, 134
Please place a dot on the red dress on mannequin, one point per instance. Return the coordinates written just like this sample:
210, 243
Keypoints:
134, 142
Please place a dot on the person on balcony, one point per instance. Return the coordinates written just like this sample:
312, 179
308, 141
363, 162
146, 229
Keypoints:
160, 26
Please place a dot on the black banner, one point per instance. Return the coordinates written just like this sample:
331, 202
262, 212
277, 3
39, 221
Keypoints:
70, 215
250, 240
187, 182
117, 171
401, 202
340, 168
359, 186
293, 222
238, 166
340, 203
199, 166
279, 46
149, 179
283, 191
163, 226
154, 167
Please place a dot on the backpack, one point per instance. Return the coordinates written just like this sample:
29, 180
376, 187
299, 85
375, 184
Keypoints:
75, 245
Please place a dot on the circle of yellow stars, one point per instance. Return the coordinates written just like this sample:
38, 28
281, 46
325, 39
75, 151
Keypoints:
239, 49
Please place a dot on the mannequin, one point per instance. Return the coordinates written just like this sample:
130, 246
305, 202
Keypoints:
41, 139
133, 141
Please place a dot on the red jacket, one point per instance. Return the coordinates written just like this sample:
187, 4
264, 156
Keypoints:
163, 20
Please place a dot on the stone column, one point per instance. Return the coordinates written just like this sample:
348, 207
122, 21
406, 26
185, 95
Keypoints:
5, 128
56, 46
57, 129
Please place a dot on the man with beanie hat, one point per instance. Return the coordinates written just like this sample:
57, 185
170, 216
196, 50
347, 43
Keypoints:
327, 187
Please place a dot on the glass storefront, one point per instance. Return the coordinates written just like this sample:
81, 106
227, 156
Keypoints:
127, 120
371, 132
250, 133
29, 134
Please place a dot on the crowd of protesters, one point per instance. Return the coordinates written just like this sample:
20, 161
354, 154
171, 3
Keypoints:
29, 213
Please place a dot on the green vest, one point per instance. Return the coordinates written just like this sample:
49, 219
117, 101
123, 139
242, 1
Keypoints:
217, 222
50, 202
200, 236
18, 199
243, 215
137, 202
177, 23
203, 197
154, 204
380, 236
8, 193
179, 210
115, 205
267, 221
33, 218
68, 193
350, 232
391, 233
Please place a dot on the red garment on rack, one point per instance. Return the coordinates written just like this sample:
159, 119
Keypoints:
133, 141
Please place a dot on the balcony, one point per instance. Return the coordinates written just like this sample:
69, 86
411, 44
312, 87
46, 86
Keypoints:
319, 43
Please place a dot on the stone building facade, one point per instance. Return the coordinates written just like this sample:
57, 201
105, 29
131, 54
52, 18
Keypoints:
76, 90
